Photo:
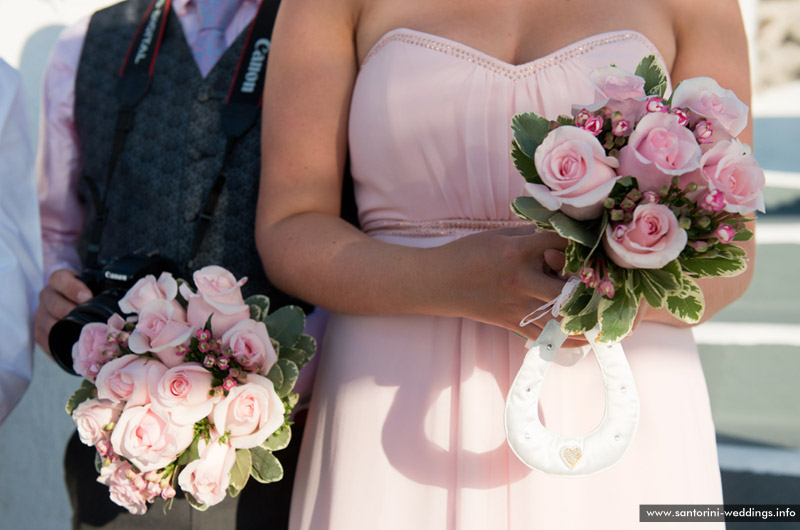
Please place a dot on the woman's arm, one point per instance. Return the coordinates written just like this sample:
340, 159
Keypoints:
309, 252
710, 42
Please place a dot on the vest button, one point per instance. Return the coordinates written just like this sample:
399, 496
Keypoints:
203, 94
190, 217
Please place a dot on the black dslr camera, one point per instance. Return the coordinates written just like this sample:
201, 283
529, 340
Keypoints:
108, 284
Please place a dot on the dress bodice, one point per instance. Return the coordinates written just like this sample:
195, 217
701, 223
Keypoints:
430, 119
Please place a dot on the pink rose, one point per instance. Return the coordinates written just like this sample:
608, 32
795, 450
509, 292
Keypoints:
207, 478
125, 379
146, 436
250, 413
617, 91
183, 392
148, 289
161, 328
730, 168
250, 345
658, 149
121, 489
617, 83
91, 418
650, 241
576, 173
218, 293
705, 98
93, 350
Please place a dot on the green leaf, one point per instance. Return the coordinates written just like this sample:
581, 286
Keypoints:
529, 208
279, 439
286, 325
674, 268
98, 462
653, 292
655, 79
743, 235
259, 306
617, 315
233, 492
290, 373
266, 468
529, 131
295, 355
687, 306
656, 284
194, 503
576, 255
276, 376
563, 119
577, 302
191, 453
291, 400
86, 391
179, 297
240, 472
586, 233
579, 324
308, 345
593, 304
524, 164
600, 230
701, 267
729, 250
672, 94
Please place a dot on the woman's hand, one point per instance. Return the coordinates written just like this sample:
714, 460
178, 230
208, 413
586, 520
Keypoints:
499, 277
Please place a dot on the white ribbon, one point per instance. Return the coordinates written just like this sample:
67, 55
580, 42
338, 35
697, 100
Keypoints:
555, 303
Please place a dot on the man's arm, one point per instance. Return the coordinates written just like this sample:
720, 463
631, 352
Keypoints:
58, 169
20, 254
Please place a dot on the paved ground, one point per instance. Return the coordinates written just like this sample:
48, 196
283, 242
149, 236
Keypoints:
754, 392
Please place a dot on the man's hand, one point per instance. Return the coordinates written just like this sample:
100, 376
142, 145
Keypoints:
61, 295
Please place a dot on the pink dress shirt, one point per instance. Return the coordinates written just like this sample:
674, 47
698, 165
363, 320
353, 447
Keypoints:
59, 161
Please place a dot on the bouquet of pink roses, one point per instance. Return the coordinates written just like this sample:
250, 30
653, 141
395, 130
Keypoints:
193, 390
650, 192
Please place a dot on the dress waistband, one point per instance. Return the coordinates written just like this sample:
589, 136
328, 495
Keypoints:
436, 227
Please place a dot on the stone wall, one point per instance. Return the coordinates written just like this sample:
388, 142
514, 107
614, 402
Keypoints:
778, 43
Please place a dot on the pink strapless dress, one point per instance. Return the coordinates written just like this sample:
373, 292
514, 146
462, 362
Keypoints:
406, 427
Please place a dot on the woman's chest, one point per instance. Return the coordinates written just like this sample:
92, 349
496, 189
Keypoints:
516, 31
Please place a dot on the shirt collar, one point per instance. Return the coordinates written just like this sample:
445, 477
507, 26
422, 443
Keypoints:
180, 5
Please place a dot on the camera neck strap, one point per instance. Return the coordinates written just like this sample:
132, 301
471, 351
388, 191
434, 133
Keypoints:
134, 81
241, 108
239, 112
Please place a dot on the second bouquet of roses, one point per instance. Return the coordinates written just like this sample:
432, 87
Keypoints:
192, 391
651, 193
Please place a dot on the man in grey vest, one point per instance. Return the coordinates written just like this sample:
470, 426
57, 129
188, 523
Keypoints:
154, 198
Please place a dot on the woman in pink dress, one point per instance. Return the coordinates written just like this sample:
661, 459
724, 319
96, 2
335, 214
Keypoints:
406, 423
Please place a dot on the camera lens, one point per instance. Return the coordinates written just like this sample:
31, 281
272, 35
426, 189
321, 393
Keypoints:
66, 332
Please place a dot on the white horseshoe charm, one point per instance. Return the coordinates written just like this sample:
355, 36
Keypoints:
574, 456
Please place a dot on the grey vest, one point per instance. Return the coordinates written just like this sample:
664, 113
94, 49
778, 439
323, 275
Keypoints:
171, 156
